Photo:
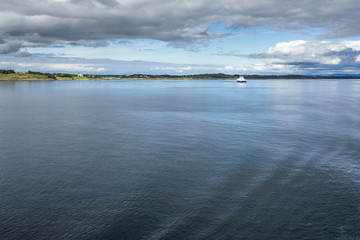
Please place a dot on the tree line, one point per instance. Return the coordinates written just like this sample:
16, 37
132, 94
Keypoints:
3, 71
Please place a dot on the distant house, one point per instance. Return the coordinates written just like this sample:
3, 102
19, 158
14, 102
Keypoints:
80, 75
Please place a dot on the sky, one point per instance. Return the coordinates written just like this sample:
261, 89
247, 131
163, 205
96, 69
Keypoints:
181, 36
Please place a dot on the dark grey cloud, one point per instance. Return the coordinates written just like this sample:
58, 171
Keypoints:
33, 23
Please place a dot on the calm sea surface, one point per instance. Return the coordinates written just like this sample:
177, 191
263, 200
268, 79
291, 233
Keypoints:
179, 159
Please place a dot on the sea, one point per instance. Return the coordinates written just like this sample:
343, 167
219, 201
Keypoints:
180, 159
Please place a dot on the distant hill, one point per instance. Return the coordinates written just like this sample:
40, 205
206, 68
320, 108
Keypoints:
11, 75
30, 75
227, 76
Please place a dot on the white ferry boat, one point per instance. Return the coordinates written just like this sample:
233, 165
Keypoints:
241, 79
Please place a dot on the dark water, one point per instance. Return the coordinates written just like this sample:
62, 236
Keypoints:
272, 159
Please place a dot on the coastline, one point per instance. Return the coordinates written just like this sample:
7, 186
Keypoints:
71, 77
162, 79
11, 75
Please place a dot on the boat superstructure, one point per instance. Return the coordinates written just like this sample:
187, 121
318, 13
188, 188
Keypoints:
241, 79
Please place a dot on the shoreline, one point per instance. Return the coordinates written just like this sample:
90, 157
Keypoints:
162, 79
11, 75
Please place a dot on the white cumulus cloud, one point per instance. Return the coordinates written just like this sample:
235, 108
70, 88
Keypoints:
306, 55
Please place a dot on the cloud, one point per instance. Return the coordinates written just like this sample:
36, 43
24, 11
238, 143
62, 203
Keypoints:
259, 68
35, 23
99, 66
185, 69
295, 57
305, 56
22, 53
43, 63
